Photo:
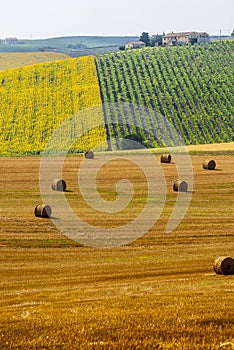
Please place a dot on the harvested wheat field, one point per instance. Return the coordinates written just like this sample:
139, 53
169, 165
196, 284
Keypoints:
11, 60
158, 292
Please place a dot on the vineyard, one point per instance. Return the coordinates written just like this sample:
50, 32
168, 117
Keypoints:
36, 99
187, 94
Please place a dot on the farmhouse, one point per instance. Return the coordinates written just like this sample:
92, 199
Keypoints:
135, 45
11, 41
185, 38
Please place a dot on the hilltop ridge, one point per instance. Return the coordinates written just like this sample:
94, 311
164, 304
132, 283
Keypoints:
72, 45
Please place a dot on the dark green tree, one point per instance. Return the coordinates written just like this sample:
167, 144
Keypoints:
145, 38
232, 33
156, 39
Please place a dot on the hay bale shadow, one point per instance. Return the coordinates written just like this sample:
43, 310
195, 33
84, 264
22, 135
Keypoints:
224, 265
54, 218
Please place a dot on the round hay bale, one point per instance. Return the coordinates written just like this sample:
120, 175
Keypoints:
209, 164
165, 158
89, 155
59, 185
42, 211
180, 186
224, 265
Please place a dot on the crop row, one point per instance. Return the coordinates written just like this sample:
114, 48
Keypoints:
186, 94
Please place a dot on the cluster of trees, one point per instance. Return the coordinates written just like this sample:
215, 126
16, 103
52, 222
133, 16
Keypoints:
47, 48
150, 41
75, 46
154, 40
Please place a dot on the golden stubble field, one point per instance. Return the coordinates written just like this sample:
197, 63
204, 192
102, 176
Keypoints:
159, 292
11, 60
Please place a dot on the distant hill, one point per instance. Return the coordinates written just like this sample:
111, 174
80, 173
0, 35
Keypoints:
19, 59
69, 45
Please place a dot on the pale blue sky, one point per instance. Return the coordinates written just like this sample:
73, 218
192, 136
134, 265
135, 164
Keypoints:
52, 18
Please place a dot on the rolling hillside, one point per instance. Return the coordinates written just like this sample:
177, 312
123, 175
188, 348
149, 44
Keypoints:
191, 86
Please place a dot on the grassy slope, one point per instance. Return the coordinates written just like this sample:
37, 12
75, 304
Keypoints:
14, 60
158, 293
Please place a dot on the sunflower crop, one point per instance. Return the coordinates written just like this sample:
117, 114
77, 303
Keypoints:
35, 100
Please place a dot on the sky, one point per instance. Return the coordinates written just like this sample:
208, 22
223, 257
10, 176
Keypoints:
39, 19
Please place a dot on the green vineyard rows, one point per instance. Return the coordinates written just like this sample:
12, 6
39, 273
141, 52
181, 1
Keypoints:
189, 88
